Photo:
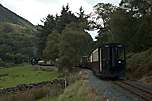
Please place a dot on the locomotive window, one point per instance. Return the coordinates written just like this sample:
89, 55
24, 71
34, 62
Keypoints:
106, 53
120, 53
95, 55
114, 55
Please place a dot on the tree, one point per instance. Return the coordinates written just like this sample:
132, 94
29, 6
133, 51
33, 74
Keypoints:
66, 39
16, 45
141, 12
104, 12
53, 24
43, 32
65, 18
129, 24
130, 30
137, 8
51, 51
122, 26
49, 24
143, 36
83, 19
74, 44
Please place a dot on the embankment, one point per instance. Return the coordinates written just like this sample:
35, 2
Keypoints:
139, 66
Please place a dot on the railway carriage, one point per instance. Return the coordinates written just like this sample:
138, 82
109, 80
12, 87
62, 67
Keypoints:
108, 61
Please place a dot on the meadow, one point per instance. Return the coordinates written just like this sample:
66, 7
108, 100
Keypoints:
25, 74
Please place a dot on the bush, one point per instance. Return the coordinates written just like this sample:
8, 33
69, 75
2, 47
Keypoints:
2, 63
19, 58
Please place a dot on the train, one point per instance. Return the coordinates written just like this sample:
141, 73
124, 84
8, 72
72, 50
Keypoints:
107, 61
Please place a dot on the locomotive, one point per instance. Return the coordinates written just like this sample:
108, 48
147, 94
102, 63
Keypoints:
107, 61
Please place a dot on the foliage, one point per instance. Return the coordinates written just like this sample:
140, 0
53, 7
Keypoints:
62, 37
16, 43
65, 18
53, 24
137, 8
132, 30
129, 24
51, 50
122, 26
104, 12
143, 35
75, 42
16, 38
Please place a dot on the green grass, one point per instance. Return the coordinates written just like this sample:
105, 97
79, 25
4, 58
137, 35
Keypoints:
24, 74
79, 91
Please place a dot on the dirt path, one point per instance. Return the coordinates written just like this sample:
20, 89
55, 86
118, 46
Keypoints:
109, 90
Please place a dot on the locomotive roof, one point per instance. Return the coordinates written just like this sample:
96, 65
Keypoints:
112, 45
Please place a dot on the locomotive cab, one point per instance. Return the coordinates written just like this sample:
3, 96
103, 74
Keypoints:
110, 61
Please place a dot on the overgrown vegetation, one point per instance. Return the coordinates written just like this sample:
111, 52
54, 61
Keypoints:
80, 90
139, 65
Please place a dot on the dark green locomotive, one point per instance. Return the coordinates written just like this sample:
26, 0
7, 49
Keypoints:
108, 61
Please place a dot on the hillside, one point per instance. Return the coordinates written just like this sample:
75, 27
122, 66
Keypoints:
139, 66
17, 37
8, 16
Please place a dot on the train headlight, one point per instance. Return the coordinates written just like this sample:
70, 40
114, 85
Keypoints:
119, 61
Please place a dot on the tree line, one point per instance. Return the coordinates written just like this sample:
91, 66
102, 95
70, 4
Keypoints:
63, 37
130, 23
16, 44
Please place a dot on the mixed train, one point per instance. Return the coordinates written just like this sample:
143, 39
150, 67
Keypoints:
107, 61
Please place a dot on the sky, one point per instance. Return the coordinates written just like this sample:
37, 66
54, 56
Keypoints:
36, 10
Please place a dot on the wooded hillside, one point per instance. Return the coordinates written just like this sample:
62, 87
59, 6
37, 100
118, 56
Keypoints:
16, 38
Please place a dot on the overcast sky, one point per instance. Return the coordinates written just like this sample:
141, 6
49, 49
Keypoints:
35, 10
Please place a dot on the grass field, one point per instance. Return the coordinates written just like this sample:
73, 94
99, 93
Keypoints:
24, 74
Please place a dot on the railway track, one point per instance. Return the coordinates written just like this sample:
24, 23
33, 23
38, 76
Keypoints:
136, 88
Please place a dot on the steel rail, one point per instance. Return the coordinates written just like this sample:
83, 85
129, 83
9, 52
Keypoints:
144, 93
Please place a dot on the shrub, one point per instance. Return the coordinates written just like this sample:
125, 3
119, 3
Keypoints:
2, 63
